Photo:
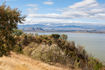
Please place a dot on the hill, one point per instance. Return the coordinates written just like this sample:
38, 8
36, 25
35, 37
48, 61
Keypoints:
20, 62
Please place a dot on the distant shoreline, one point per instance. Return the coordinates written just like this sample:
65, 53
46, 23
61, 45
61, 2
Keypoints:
90, 32
64, 32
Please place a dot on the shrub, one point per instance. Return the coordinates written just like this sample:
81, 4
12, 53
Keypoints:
52, 49
55, 36
64, 37
17, 32
94, 64
45, 53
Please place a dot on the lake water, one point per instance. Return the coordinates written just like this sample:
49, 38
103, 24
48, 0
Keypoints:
93, 43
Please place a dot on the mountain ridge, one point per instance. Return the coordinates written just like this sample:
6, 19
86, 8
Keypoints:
62, 28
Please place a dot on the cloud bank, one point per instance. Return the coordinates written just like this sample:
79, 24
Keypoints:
48, 2
86, 9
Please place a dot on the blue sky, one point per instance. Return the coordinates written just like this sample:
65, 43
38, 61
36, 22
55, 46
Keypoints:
61, 11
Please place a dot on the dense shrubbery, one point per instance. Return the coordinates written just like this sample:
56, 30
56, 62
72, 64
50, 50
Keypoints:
56, 49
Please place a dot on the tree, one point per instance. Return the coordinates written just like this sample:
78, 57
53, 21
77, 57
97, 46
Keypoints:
9, 18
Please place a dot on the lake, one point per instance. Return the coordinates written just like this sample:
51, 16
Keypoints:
94, 43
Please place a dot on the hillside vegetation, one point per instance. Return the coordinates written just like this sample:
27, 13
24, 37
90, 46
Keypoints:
52, 49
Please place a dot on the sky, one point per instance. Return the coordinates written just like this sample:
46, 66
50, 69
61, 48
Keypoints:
62, 12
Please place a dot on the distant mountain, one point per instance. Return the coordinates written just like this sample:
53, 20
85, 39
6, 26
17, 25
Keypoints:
37, 29
63, 28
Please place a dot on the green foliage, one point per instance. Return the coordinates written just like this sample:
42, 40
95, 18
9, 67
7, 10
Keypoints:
17, 32
94, 63
8, 22
55, 36
53, 49
18, 49
45, 53
64, 37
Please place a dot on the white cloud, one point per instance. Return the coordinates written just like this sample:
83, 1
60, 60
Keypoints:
54, 21
32, 8
32, 5
82, 4
48, 2
85, 9
51, 15
49, 20
88, 9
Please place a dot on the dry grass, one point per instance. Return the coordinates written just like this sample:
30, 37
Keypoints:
20, 62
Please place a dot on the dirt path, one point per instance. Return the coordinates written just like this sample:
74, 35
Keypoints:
20, 62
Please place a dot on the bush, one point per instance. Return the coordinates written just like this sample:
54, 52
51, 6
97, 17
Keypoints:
17, 32
55, 36
64, 37
45, 53
52, 49
18, 49
94, 64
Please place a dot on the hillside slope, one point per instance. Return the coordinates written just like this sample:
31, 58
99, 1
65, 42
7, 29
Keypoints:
20, 62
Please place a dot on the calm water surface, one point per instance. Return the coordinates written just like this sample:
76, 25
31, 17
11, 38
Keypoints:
92, 42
